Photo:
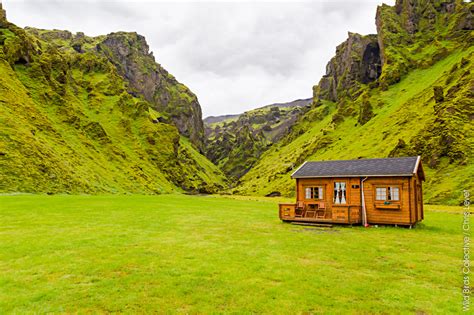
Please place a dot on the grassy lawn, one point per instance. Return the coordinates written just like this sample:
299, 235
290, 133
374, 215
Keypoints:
191, 254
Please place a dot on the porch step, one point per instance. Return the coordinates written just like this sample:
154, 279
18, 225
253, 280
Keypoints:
326, 225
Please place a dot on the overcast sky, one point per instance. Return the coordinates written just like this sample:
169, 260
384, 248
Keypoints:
234, 55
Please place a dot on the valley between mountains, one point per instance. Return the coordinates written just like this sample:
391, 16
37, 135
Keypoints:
99, 115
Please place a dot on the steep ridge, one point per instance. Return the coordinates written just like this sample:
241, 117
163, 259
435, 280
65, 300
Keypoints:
92, 115
210, 120
357, 62
235, 142
129, 53
415, 97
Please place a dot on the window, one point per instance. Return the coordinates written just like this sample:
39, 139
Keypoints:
339, 192
393, 193
389, 193
313, 193
381, 194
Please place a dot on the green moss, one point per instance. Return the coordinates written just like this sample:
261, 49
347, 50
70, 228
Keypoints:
235, 144
180, 96
405, 112
69, 126
409, 45
366, 111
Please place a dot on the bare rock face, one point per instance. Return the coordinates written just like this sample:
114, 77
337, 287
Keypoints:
357, 61
3, 15
55, 34
129, 52
465, 21
438, 94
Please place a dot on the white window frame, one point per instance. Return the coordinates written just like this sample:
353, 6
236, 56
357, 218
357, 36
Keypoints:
343, 187
309, 192
387, 193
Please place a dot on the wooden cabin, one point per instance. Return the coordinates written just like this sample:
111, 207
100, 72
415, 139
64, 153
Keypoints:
364, 191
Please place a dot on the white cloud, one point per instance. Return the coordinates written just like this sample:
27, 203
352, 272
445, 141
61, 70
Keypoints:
234, 55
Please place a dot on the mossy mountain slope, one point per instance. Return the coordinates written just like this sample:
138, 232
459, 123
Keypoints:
74, 121
129, 53
235, 143
419, 104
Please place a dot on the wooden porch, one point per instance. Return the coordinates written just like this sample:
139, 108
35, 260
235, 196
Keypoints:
320, 212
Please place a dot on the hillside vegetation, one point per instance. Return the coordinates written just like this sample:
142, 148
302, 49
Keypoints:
235, 142
92, 115
95, 115
419, 103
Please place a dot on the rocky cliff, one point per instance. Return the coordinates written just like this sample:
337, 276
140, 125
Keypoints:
402, 32
405, 29
86, 114
407, 90
357, 61
129, 52
3, 14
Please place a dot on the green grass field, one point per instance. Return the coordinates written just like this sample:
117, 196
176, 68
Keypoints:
202, 254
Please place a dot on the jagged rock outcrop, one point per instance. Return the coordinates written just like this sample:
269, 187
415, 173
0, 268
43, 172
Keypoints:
357, 61
235, 143
426, 47
75, 120
49, 35
3, 14
438, 94
237, 150
417, 23
465, 21
361, 59
129, 52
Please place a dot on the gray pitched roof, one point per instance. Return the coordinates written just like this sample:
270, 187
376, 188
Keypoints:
403, 166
